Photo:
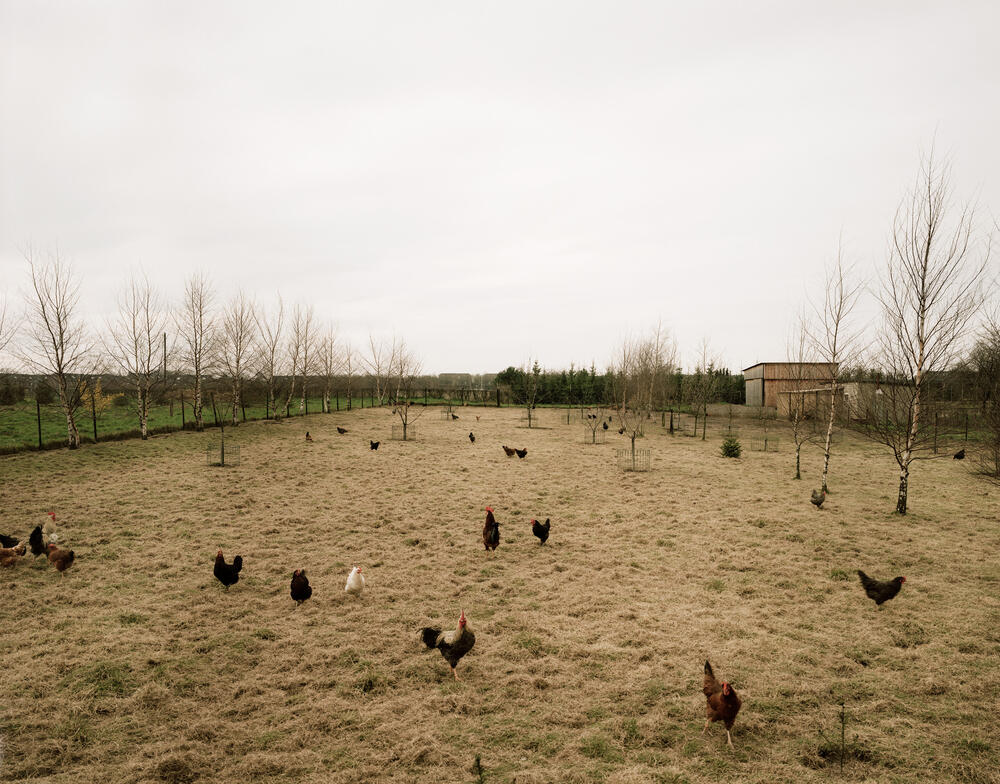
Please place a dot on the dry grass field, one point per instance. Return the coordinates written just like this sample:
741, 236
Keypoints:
137, 666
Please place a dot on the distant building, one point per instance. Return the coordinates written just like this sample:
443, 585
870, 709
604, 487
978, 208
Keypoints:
766, 381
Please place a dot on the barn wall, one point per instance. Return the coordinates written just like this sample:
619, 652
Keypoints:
755, 391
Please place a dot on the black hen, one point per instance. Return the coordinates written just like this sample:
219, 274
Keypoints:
541, 531
301, 590
491, 531
9, 541
521, 453
227, 574
880, 590
454, 416
37, 544
472, 438
341, 430
605, 425
374, 444
960, 454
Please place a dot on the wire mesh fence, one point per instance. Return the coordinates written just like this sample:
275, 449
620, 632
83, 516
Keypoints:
598, 436
633, 460
397, 433
219, 453
763, 444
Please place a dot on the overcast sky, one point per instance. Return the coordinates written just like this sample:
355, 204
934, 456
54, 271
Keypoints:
491, 181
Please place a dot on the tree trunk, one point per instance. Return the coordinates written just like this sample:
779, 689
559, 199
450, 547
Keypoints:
143, 413
72, 434
798, 453
829, 439
196, 405
904, 479
236, 405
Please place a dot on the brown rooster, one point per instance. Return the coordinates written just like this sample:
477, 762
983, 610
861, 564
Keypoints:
61, 559
723, 703
453, 645
491, 531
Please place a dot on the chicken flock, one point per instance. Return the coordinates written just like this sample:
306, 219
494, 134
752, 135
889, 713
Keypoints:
722, 702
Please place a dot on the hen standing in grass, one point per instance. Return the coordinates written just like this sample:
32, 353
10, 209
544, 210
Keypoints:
521, 453
341, 430
723, 702
373, 444
9, 556
453, 645
491, 531
8, 541
227, 574
60, 559
508, 451
818, 497
880, 590
472, 438
541, 531
355, 584
301, 590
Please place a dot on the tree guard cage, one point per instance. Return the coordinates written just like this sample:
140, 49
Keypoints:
639, 460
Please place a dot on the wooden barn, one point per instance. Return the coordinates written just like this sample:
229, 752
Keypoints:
765, 381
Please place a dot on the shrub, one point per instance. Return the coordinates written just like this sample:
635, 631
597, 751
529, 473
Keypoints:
731, 447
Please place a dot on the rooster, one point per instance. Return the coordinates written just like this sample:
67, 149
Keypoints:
453, 645
541, 531
301, 590
723, 703
508, 451
818, 497
355, 585
373, 444
521, 453
341, 430
227, 574
491, 531
9, 555
61, 559
49, 528
880, 590
472, 438
8, 541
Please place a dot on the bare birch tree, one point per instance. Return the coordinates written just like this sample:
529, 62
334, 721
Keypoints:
378, 364
703, 385
7, 326
293, 354
930, 292
349, 362
634, 378
801, 416
236, 346
309, 348
329, 361
133, 342
403, 371
270, 331
835, 340
196, 325
57, 345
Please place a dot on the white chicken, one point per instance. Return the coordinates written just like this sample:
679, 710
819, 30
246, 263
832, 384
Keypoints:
49, 529
355, 582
